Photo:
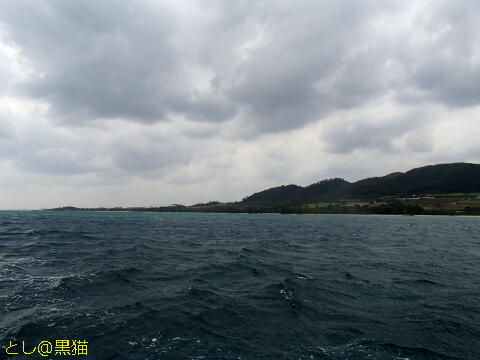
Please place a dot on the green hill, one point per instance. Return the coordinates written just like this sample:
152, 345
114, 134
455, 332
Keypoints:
432, 179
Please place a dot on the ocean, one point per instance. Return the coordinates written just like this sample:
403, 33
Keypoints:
130, 285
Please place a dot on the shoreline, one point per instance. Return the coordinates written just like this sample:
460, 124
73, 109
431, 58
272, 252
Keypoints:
266, 213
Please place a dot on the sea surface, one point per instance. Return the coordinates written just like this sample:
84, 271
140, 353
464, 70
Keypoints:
239, 286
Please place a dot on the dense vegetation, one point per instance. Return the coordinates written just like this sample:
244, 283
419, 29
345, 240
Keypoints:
433, 179
451, 189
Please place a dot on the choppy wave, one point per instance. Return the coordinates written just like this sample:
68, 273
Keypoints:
210, 286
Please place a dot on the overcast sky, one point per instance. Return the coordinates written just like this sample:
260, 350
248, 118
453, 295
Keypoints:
121, 103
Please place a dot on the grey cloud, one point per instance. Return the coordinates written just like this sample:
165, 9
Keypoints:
346, 137
270, 66
309, 65
281, 64
143, 154
445, 62
420, 141
40, 152
52, 161
6, 131
108, 60
450, 81
204, 108
200, 131
205, 93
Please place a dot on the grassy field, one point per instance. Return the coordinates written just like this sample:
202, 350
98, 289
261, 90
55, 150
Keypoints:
457, 203
452, 204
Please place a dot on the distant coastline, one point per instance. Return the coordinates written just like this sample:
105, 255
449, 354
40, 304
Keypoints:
443, 189
264, 213
270, 213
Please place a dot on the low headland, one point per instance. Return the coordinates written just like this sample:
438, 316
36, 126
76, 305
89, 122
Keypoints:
443, 189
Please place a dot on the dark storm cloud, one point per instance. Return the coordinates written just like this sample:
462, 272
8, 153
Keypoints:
275, 65
154, 94
108, 60
282, 64
312, 59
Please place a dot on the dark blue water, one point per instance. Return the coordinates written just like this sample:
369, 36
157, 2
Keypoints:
214, 286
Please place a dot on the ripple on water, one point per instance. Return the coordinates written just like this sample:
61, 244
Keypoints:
226, 286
